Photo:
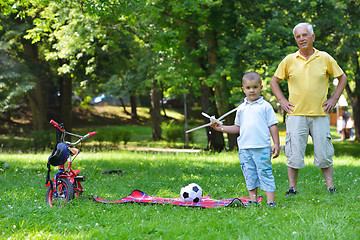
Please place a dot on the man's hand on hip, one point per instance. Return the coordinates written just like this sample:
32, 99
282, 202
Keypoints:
329, 105
286, 105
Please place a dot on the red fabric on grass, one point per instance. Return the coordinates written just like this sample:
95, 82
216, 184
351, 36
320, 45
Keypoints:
206, 202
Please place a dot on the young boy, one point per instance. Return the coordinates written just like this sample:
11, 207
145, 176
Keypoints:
255, 120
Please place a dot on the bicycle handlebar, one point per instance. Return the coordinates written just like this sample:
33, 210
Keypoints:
89, 134
56, 125
92, 134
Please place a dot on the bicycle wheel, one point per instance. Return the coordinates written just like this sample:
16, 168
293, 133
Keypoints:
65, 192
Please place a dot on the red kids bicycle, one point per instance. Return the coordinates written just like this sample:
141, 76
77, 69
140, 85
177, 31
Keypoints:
66, 183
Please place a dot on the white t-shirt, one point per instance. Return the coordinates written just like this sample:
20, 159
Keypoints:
340, 124
254, 120
349, 123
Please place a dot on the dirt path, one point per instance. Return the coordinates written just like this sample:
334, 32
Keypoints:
161, 149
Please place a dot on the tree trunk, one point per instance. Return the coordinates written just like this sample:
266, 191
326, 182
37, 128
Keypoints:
38, 96
221, 89
38, 105
355, 103
66, 101
232, 138
155, 110
354, 97
356, 115
133, 104
186, 120
123, 106
223, 107
215, 139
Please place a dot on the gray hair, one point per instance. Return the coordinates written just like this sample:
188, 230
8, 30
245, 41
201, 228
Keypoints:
309, 27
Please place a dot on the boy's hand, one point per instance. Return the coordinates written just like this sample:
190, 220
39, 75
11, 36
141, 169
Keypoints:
216, 126
275, 150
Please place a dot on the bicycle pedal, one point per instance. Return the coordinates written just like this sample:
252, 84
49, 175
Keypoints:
80, 178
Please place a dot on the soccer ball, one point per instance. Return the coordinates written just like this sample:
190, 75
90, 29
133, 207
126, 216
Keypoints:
191, 193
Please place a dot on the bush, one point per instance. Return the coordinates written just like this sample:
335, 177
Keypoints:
115, 137
42, 140
101, 137
190, 136
172, 132
11, 143
126, 136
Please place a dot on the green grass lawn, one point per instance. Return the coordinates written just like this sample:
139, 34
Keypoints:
312, 214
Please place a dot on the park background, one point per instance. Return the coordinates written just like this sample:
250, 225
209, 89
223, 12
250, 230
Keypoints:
140, 73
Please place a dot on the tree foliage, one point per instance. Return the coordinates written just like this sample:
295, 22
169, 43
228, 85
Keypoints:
201, 48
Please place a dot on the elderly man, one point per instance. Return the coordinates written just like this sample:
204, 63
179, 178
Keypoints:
307, 72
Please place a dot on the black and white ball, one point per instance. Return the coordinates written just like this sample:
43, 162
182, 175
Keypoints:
191, 193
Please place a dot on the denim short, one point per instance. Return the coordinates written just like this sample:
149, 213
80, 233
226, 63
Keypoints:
298, 129
257, 168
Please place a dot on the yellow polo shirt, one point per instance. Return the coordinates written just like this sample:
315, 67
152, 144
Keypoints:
308, 80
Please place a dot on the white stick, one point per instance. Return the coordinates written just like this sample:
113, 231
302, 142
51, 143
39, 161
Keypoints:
228, 113
212, 120
202, 126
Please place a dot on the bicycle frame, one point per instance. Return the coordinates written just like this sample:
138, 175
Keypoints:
67, 173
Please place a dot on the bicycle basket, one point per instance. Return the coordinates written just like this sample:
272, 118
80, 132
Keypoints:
60, 155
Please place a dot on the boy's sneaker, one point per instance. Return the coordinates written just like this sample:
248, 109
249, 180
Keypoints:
291, 191
332, 190
251, 204
271, 204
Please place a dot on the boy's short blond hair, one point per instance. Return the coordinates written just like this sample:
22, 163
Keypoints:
251, 76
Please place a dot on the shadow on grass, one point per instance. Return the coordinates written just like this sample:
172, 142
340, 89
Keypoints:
218, 179
164, 174
313, 213
342, 148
